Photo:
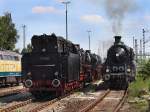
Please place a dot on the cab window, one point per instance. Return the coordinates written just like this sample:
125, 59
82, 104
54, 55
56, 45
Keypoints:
9, 57
13, 58
5, 57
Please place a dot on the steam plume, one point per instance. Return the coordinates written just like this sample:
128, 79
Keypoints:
116, 11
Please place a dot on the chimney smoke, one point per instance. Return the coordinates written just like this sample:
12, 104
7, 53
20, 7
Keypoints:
116, 11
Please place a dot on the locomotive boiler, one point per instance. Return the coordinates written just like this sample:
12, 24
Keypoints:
119, 67
56, 66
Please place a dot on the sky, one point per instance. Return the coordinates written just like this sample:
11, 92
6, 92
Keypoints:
48, 16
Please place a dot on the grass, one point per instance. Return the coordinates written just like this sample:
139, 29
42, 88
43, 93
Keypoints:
139, 107
138, 85
135, 89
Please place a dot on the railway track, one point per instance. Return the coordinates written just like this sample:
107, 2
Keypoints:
34, 105
48, 103
110, 101
121, 102
39, 105
11, 90
14, 107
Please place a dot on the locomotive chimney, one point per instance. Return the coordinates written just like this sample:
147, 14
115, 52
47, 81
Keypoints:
117, 39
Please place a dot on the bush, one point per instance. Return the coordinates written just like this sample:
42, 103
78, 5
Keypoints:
140, 87
144, 69
136, 87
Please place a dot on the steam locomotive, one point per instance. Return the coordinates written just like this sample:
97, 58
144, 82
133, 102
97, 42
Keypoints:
56, 66
119, 67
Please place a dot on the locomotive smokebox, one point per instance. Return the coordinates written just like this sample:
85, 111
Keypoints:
117, 39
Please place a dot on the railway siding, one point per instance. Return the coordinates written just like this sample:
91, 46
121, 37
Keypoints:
11, 90
75, 102
110, 102
16, 106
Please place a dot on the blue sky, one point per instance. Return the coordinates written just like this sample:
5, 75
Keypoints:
48, 16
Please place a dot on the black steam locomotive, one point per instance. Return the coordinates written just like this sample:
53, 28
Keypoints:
57, 66
119, 67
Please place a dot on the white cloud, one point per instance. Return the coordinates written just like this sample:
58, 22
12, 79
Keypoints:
44, 9
93, 18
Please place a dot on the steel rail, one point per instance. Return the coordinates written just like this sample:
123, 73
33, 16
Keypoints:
121, 102
16, 106
92, 105
9, 92
43, 106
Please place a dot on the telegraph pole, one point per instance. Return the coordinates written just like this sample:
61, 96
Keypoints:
99, 48
24, 36
66, 4
103, 49
143, 43
141, 49
89, 39
136, 50
134, 43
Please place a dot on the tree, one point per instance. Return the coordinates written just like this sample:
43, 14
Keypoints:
145, 69
8, 32
16, 50
28, 49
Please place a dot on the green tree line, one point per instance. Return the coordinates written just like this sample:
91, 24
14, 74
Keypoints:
8, 32
9, 35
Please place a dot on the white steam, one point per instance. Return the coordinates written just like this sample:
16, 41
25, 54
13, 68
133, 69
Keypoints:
116, 11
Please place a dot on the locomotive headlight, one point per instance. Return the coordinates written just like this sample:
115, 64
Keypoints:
117, 55
43, 50
128, 70
56, 73
107, 77
107, 70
